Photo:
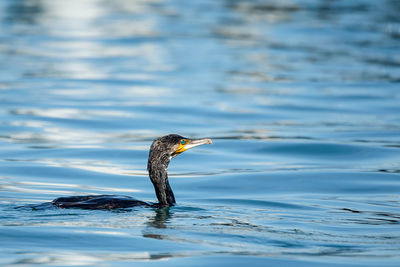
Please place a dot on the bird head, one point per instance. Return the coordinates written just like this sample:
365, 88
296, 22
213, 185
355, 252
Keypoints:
172, 145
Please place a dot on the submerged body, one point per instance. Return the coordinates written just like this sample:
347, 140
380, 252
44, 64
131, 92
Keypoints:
162, 150
99, 202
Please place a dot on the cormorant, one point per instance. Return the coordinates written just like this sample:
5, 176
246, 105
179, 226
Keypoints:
162, 150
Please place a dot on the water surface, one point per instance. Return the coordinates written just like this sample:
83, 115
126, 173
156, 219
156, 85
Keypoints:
301, 99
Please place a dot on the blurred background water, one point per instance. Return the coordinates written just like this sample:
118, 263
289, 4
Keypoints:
301, 99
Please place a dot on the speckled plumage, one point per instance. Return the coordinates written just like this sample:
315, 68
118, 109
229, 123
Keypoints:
161, 152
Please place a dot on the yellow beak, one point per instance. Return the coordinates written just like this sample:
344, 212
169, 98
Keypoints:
190, 143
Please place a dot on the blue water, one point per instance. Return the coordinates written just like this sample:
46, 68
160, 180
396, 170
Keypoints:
301, 99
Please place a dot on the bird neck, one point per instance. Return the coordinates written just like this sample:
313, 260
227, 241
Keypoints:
158, 168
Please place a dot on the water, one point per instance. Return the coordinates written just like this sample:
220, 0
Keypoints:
301, 99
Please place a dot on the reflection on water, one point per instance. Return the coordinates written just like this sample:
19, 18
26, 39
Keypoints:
301, 98
160, 218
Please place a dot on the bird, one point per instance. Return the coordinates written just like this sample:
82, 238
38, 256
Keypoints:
162, 150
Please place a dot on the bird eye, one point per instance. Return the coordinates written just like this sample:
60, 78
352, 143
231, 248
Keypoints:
183, 142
